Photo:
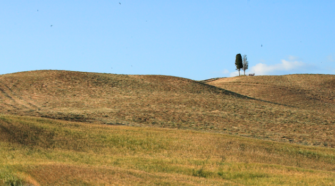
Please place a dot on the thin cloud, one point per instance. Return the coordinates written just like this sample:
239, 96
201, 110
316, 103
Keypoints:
225, 71
330, 58
292, 58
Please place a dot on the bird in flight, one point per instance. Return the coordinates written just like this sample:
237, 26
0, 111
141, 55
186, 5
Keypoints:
119, 3
261, 45
51, 25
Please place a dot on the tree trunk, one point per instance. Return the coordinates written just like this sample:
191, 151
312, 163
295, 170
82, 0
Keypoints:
238, 72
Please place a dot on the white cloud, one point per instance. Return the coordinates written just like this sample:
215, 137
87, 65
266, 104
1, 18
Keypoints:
330, 58
264, 69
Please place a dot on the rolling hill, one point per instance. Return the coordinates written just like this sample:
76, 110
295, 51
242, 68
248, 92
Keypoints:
262, 120
295, 108
305, 91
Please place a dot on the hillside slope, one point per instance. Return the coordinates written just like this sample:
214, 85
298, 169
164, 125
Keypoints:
306, 91
46, 152
166, 101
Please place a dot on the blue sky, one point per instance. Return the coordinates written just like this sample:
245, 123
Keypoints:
191, 39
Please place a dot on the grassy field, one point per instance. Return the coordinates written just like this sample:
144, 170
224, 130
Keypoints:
77, 128
53, 152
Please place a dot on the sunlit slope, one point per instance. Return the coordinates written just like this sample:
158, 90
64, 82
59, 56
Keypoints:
160, 101
93, 96
306, 91
53, 152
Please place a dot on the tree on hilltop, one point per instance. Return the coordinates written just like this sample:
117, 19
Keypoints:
245, 63
238, 63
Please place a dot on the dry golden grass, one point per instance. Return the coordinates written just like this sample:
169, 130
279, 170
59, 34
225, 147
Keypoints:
51, 152
294, 110
304, 91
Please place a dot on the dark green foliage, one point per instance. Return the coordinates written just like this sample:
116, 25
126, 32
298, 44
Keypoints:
238, 63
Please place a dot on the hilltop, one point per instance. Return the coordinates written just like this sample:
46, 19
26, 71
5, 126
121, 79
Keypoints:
305, 91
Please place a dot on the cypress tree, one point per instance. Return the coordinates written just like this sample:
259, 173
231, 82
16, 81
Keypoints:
238, 63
